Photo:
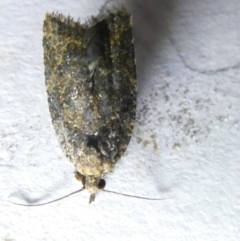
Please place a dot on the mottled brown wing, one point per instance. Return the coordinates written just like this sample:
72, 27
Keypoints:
91, 83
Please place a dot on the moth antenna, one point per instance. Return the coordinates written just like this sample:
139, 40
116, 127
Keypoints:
133, 196
41, 204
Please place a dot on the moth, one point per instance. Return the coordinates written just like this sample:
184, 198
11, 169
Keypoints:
90, 77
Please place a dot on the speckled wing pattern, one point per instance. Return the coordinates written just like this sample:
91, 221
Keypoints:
91, 85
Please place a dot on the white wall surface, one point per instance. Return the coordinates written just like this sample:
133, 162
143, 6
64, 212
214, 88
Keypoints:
186, 141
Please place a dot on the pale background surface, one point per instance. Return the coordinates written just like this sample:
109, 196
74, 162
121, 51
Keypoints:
186, 142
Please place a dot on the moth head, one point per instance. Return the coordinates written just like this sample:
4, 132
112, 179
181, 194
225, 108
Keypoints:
91, 183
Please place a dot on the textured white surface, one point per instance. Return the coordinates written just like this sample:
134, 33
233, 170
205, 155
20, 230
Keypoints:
186, 143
